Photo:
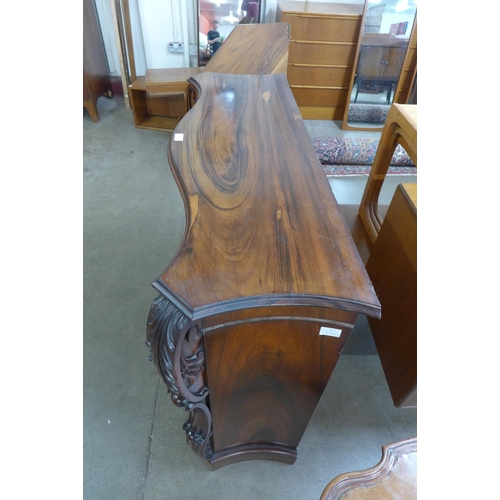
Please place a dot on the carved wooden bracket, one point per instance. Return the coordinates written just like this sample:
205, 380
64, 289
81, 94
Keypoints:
177, 350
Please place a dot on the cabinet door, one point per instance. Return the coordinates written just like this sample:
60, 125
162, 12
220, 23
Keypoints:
371, 65
393, 62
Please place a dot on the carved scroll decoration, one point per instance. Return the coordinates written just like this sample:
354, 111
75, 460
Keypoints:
178, 352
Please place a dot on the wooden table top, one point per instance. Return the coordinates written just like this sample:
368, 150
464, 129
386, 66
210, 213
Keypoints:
263, 226
393, 478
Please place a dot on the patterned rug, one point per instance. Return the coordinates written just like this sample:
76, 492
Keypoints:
368, 113
354, 156
332, 170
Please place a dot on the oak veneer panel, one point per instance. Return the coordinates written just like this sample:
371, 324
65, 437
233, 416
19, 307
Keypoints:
253, 49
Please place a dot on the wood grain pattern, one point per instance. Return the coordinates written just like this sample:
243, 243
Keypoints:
322, 35
169, 79
323, 76
266, 261
263, 224
393, 268
321, 53
393, 478
253, 49
323, 28
268, 393
409, 71
400, 128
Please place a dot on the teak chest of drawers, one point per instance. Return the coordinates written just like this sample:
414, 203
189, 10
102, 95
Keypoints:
323, 41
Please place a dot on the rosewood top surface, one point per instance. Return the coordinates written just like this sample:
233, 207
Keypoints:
263, 226
253, 49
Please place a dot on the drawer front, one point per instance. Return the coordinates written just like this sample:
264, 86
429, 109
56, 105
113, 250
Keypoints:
318, 76
320, 97
322, 53
324, 29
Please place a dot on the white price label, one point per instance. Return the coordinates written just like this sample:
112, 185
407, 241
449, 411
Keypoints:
331, 332
178, 137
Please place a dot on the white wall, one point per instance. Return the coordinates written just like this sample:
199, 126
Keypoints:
154, 24
103, 8
165, 21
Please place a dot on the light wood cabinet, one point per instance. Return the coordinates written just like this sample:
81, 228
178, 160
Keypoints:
159, 100
323, 42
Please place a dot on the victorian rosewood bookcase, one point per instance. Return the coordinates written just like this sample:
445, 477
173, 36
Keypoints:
257, 304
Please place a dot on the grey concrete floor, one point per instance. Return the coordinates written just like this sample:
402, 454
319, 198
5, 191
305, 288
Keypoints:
133, 443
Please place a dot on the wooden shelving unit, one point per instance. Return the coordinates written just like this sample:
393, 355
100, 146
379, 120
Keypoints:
159, 99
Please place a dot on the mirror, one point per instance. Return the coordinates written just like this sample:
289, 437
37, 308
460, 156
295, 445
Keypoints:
382, 48
228, 14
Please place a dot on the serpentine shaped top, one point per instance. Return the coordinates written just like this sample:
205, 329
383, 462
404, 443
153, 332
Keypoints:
253, 49
263, 226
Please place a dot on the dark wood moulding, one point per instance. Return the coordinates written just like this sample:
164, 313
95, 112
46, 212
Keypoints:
257, 304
